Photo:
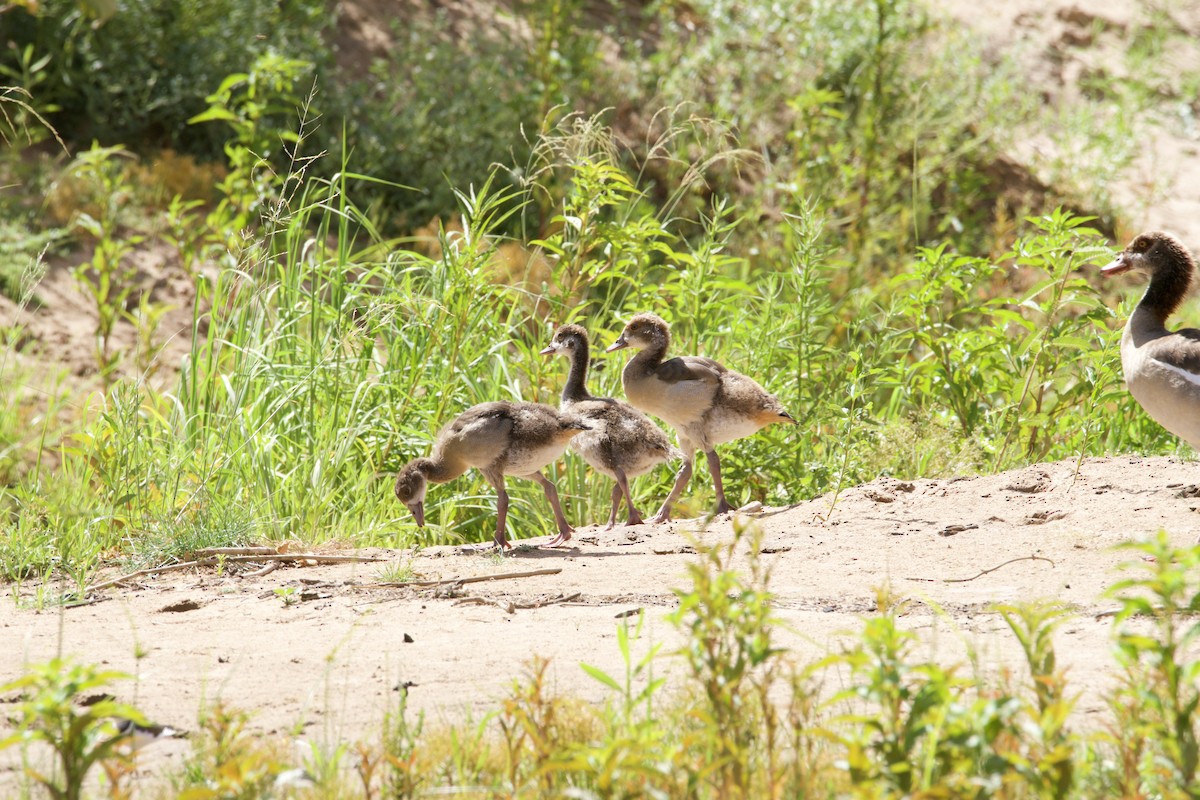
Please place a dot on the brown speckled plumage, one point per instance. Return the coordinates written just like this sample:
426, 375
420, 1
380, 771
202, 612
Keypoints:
704, 401
498, 439
623, 442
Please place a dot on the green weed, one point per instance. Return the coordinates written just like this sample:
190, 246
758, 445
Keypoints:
728, 619
137, 72
227, 761
108, 279
56, 709
1046, 755
396, 572
630, 759
1158, 696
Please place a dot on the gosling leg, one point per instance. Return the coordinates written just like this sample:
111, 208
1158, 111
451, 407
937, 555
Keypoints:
714, 467
681, 480
564, 527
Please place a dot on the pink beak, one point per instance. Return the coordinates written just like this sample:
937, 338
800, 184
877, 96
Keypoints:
1120, 264
619, 344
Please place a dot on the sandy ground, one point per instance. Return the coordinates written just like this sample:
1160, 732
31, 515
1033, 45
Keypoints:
328, 666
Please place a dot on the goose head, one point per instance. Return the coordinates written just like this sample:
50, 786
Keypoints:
568, 340
644, 331
1168, 263
410, 487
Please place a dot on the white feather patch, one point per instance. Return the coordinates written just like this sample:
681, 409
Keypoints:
1191, 377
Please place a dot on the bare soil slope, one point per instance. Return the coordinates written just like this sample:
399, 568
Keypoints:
1067, 48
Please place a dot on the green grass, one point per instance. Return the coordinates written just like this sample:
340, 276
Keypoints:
330, 356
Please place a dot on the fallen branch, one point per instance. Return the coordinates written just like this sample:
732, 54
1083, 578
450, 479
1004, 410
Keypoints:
552, 602
315, 557
212, 560
998, 566
265, 571
506, 607
510, 607
1154, 612
141, 573
475, 579
233, 551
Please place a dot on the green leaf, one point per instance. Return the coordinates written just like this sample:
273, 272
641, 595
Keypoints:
601, 676
214, 114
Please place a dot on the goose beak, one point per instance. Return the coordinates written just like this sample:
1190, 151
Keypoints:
549, 351
418, 511
1121, 263
619, 344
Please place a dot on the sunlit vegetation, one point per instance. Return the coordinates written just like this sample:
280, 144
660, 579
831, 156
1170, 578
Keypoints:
808, 191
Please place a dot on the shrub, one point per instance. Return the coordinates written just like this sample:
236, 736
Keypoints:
139, 72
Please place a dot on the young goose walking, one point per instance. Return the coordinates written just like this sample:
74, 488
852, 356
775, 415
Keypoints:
498, 439
705, 402
623, 443
1162, 367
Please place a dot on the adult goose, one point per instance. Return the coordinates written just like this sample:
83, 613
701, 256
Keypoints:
623, 443
498, 439
705, 402
1162, 367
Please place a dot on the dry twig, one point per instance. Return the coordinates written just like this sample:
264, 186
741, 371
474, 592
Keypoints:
475, 579
998, 566
267, 570
234, 551
212, 560
510, 607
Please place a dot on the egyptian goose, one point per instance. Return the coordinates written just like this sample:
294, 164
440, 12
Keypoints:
705, 402
1162, 367
498, 439
623, 443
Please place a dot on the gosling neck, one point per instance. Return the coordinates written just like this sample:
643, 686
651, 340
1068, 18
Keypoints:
575, 389
440, 469
649, 357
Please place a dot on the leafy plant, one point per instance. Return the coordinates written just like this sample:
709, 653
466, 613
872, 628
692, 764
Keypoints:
913, 728
1159, 694
1047, 762
109, 278
452, 101
259, 106
136, 72
628, 760
1006, 366
287, 594
727, 620
227, 761
402, 777
52, 711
